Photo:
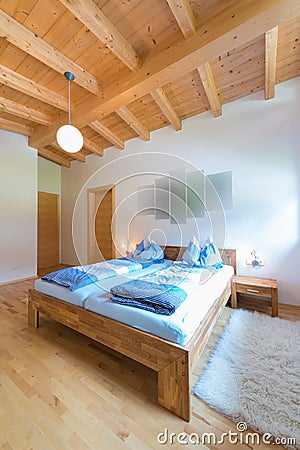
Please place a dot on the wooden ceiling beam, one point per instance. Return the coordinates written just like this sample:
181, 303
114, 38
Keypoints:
9, 125
92, 147
107, 134
166, 64
271, 40
133, 122
36, 90
209, 85
24, 112
78, 156
248, 20
21, 37
93, 18
47, 154
184, 16
167, 108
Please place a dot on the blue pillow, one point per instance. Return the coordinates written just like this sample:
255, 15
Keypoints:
143, 245
148, 251
210, 255
192, 253
152, 253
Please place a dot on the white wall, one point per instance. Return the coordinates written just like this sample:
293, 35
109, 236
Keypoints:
257, 140
18, 207
49, 176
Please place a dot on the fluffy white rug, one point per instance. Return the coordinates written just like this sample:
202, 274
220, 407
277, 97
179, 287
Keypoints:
253, 374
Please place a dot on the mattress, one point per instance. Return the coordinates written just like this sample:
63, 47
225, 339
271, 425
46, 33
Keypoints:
177, 328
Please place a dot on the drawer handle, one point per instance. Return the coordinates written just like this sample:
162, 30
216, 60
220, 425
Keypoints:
253, 290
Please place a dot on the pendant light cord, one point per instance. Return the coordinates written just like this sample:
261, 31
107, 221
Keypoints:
69, 102
69, 139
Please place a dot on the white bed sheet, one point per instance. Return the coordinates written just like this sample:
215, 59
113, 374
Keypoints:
177, 328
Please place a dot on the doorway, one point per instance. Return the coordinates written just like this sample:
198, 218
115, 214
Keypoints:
101, 208
48, 230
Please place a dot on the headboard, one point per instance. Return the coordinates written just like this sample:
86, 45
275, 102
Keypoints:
176, 252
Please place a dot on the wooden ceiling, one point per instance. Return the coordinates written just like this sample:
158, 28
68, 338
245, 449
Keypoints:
139, 65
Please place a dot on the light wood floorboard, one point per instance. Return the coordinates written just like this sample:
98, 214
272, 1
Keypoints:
61, 390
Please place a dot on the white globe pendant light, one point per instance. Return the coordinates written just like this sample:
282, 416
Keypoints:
68, 137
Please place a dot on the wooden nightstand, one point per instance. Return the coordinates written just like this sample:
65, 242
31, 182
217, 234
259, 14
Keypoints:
258, 287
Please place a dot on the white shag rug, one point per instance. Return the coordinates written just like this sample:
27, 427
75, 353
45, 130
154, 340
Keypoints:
253, 374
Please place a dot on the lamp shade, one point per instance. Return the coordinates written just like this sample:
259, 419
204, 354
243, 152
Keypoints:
69, 138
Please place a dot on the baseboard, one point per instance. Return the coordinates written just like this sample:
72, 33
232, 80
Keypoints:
289, 307
18, 280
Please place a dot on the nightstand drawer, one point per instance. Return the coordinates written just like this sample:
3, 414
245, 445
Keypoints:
260, 291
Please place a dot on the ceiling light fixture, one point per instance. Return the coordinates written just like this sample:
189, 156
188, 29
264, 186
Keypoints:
68, 137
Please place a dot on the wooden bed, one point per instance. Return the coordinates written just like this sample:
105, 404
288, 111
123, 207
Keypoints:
173, 363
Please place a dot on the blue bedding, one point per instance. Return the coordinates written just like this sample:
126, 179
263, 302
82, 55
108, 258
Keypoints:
77, 277
148, 251
71, 278
144, 264
158, 298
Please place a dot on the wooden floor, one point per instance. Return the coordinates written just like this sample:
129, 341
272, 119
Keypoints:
61, 390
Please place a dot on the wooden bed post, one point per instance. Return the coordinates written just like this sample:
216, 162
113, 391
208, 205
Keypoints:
33, 313
174, 387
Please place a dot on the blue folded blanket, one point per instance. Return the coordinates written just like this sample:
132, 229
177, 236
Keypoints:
71, 278
157, 298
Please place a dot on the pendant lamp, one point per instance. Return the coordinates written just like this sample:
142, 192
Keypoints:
68, 137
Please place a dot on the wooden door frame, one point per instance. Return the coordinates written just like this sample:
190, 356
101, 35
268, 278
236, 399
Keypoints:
91, 200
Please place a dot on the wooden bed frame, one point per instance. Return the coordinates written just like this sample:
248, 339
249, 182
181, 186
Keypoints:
173, 363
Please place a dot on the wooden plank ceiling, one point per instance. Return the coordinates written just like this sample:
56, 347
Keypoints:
139, 65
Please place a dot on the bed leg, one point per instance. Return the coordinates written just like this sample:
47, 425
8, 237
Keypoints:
233, 296
174, 387
33, 314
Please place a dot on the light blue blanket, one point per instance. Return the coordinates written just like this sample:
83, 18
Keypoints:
80, 276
